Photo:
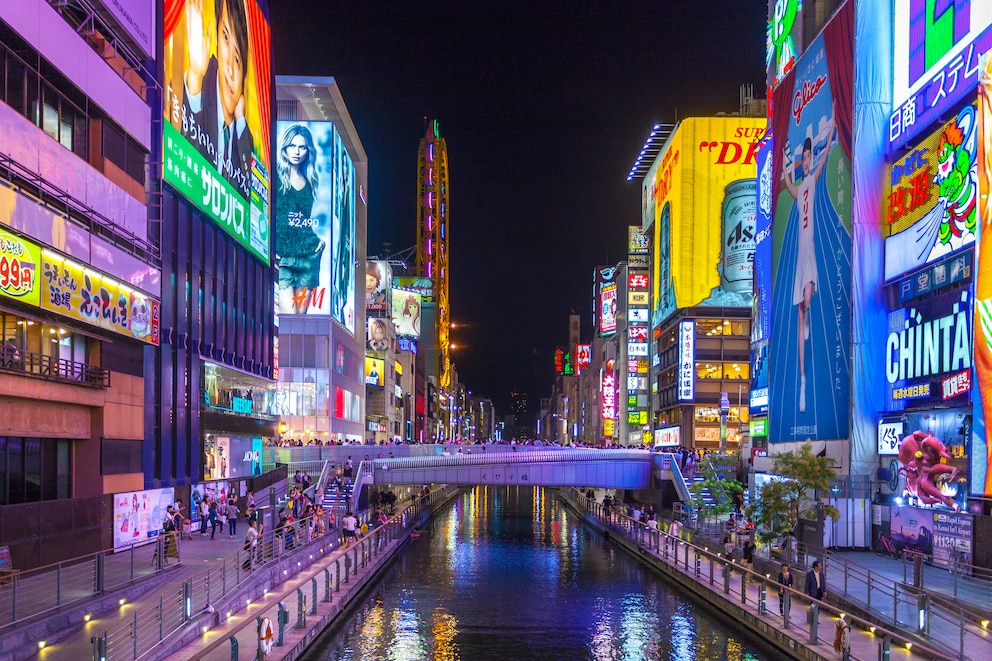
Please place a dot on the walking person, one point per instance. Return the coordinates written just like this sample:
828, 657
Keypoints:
785, 580
251, 541
814, 581
212, 518
747, 554
349, 524
204, 512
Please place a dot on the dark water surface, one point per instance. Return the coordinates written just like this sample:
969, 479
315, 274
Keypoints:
509, 573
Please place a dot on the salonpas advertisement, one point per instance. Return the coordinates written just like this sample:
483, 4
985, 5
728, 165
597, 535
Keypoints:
809, 351
217, 116
705, 209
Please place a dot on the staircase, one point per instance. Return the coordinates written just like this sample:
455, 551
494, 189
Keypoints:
336, 499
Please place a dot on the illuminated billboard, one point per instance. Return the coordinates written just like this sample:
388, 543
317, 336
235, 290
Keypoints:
761, 297
936, 47
45, 279
609, 395
930, 206
809, 349
705, 210
377, 334
605, 300
981, 447
687, 360
928, 352
218, 82
315, 221
406, 313
583, 357
784, 40
638, 242
422, 286
374, 368
139, 515
378, 283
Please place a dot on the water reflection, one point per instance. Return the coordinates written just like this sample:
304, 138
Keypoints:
508, 573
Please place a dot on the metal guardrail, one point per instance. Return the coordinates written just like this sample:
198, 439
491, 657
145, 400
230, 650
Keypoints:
54, 369
909, 615
670, 462
510, 457
154, 622
36, 592
346, 563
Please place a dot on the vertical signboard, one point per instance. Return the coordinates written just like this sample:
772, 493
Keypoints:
378, 281
981, 447
606, 296
315, 222
809, 370
217, 116
687, 360
761, 297
784, 39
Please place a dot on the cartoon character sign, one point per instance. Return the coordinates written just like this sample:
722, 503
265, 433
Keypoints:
927, 476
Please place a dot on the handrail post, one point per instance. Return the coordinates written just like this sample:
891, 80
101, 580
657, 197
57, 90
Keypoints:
313, 602
743, 585
187, 600
327, 584
884, 652
726, 578
234, 648
134, 633
786, 606
814, 622
58, 583
283, 618
98, 575
301, 609
762, 599
99, 646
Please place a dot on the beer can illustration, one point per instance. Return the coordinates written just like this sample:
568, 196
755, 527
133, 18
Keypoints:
738, 213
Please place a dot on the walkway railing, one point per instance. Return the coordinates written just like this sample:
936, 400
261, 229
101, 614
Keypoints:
36, 592
487, 458
908, 615
155, 621
54, 368
346, 564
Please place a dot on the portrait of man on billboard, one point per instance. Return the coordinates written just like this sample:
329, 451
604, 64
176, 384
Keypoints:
214, 89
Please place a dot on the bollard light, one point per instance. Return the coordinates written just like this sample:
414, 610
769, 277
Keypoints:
204, 630
909, 646
122, 601
41, 644
87, 617
871, 629
985, 624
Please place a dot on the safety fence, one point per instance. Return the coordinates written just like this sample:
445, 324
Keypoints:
903, 618
42, 590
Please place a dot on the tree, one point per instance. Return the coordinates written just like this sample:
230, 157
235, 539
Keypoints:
783, 502
721, 490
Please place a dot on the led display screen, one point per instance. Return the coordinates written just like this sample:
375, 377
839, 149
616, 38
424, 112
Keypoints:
217, 114
315, 221
406, 313
377, 334
761, 297
378, 284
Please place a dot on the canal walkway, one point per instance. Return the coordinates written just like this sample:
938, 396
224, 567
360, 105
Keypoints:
752, 598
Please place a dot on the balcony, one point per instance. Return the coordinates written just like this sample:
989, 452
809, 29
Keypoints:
54, 369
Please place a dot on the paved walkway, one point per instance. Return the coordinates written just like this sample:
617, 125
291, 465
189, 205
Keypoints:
201, 560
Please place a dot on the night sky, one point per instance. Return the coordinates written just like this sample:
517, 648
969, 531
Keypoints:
544, 107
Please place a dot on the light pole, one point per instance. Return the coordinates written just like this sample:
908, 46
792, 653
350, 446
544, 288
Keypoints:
724, 410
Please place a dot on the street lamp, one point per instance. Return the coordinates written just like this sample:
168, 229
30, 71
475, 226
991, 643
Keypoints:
724, 410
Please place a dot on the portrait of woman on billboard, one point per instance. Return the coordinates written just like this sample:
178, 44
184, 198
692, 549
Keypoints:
299, 249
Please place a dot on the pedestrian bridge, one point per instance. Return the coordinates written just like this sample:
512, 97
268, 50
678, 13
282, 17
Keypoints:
609, 469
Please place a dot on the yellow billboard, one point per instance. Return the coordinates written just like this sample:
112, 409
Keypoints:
705, 206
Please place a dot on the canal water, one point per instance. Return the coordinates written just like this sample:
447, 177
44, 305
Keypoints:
508, 573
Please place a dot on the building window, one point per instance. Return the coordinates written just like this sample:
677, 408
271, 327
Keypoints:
119, 456
33, 469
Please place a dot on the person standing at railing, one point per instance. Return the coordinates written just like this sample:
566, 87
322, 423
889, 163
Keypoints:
232, 517
785, 580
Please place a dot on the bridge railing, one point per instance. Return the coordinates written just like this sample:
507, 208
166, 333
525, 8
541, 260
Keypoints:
486, 458
910, 615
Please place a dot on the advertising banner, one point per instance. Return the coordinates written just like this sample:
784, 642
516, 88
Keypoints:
218, 71
139, 515
378, 283
20, 273
315, 222
928, 352
406, 313
217, 458
583, 357
809, 351
374, 368
936, 48
422, 286
944, 536
761, 298
981, 449
608, 392
377, 334
667, 437
931, 208
784, 41
217, 490
47, 280
933, 457
705, 206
